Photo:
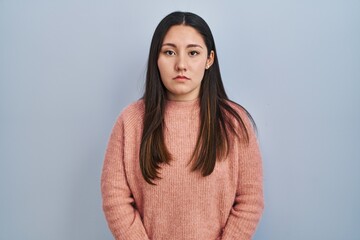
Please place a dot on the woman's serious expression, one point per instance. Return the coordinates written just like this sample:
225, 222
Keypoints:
182, 62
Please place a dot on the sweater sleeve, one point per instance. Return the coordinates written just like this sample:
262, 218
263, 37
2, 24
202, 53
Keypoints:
123, 219
248, 205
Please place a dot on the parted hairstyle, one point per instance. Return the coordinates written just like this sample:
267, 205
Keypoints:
218, 118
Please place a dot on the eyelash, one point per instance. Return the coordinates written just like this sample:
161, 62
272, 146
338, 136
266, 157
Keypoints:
171, 53
194, 53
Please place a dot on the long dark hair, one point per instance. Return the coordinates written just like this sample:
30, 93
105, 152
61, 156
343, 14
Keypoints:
218, 117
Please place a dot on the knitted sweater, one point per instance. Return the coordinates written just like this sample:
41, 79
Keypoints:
183, 204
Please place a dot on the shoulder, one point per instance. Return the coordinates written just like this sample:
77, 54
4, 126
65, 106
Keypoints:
245, 117
240, 110
132, 114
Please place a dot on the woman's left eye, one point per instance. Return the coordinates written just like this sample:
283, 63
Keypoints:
193, 53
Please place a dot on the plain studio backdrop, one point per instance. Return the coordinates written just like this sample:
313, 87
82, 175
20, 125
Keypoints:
68, 68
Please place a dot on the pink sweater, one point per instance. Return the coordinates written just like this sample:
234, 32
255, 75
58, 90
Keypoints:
183, 205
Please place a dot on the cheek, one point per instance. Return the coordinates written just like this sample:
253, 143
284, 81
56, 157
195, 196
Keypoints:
199, 67
199, 64
164, 70
160, 65
163, 65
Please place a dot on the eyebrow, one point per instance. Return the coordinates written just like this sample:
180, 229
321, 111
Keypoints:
188, 46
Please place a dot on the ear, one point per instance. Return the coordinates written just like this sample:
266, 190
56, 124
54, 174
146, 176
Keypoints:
210, 59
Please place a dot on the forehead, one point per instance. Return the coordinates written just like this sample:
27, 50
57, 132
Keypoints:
183, 35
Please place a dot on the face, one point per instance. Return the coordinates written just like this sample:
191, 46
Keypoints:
182, 62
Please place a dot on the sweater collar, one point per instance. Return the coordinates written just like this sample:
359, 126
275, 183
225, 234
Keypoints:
184, 107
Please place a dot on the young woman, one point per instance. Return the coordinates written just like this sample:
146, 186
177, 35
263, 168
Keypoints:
183, 161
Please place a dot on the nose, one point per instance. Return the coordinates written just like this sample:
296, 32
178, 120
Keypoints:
181, 63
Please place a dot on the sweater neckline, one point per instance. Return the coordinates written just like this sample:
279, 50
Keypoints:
183, 106
183, 102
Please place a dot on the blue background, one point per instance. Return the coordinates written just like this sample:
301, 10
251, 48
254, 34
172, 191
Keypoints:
68, 68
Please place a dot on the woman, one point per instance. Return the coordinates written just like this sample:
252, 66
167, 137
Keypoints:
183, 162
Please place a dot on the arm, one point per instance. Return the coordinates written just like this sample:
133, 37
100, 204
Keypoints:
249, 203
124, 221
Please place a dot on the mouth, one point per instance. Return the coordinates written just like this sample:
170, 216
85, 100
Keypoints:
181, 77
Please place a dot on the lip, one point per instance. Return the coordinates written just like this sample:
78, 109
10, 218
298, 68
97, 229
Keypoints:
181, 77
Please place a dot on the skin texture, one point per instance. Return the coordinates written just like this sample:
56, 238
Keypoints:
182, 62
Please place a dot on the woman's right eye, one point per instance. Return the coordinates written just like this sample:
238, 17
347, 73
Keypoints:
169, 52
